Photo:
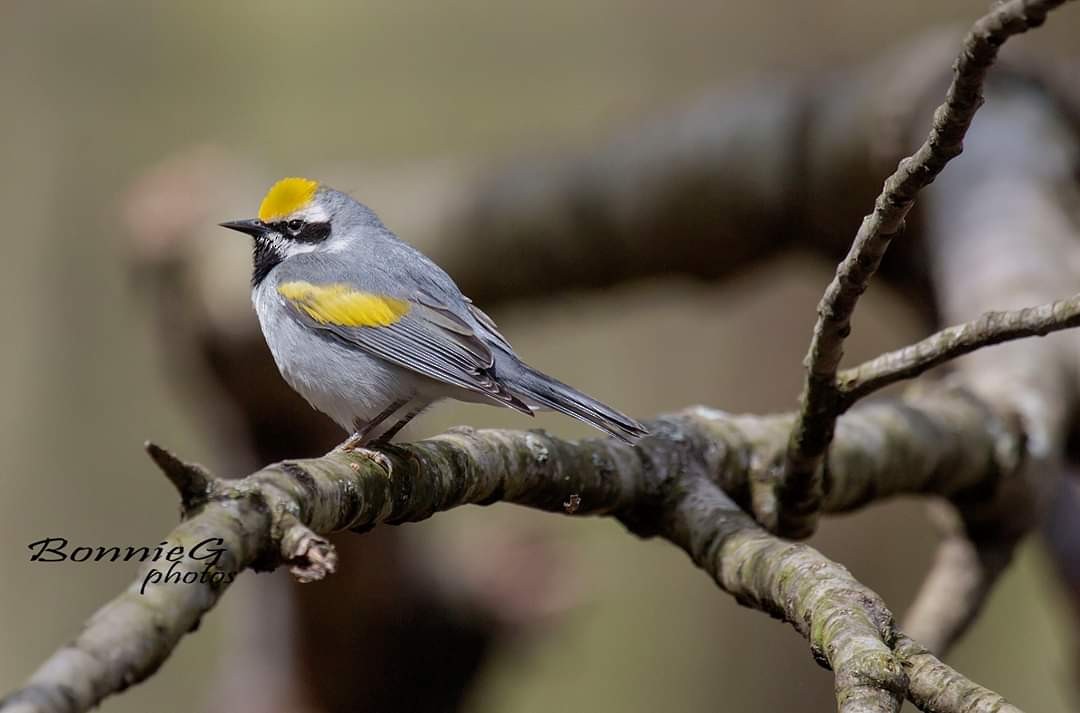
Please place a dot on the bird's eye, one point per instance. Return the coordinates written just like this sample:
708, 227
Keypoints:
295, 225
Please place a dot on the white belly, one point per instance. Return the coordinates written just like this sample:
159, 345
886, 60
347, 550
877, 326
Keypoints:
347, 384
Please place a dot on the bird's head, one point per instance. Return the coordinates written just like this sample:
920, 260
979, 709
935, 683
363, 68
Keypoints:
297, 216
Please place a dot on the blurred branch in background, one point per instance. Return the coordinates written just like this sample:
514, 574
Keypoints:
821, 401
1001, 229
1061, 529
705, 193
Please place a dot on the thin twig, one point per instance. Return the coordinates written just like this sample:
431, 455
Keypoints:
990, 328
800, 492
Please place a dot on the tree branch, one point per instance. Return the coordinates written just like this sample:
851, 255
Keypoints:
967, 564
665, 486
991, 328
1000, 233
848, 626
190, 480
937, 687
801, 491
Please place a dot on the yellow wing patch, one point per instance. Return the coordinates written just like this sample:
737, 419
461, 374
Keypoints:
287, 196
342, 306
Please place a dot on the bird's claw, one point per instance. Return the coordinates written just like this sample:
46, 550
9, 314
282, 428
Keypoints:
377, 457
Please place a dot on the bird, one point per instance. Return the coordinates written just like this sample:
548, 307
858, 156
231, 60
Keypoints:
370, 331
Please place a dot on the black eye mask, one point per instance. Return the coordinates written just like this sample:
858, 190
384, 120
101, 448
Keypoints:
302, 232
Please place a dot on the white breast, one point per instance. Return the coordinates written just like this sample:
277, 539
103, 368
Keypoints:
345, 383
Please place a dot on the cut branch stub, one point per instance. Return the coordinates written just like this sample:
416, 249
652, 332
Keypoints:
311, 556
191, 480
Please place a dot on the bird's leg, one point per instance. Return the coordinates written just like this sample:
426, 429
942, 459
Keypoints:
364, 429
389, 433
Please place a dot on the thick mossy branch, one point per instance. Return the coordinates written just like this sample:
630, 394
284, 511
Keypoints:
945, 442
848, 626
822, 401
670, 485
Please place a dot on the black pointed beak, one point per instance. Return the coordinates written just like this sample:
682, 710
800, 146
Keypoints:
254, 228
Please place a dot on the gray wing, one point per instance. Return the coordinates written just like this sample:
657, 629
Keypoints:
431, 339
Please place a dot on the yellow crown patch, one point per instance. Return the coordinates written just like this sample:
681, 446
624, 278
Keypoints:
287, 196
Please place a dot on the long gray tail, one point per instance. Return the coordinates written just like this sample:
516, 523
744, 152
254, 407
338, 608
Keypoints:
539, 389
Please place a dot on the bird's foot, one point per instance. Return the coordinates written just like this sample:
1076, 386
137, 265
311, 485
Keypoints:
355, 445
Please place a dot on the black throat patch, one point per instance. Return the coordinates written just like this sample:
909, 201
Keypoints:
265, 257
268, 253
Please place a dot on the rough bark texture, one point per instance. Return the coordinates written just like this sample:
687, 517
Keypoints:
936, 687
669, 486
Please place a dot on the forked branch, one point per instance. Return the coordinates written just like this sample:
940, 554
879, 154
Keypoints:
800, 492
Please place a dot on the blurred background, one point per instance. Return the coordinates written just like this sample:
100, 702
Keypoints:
123, 116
